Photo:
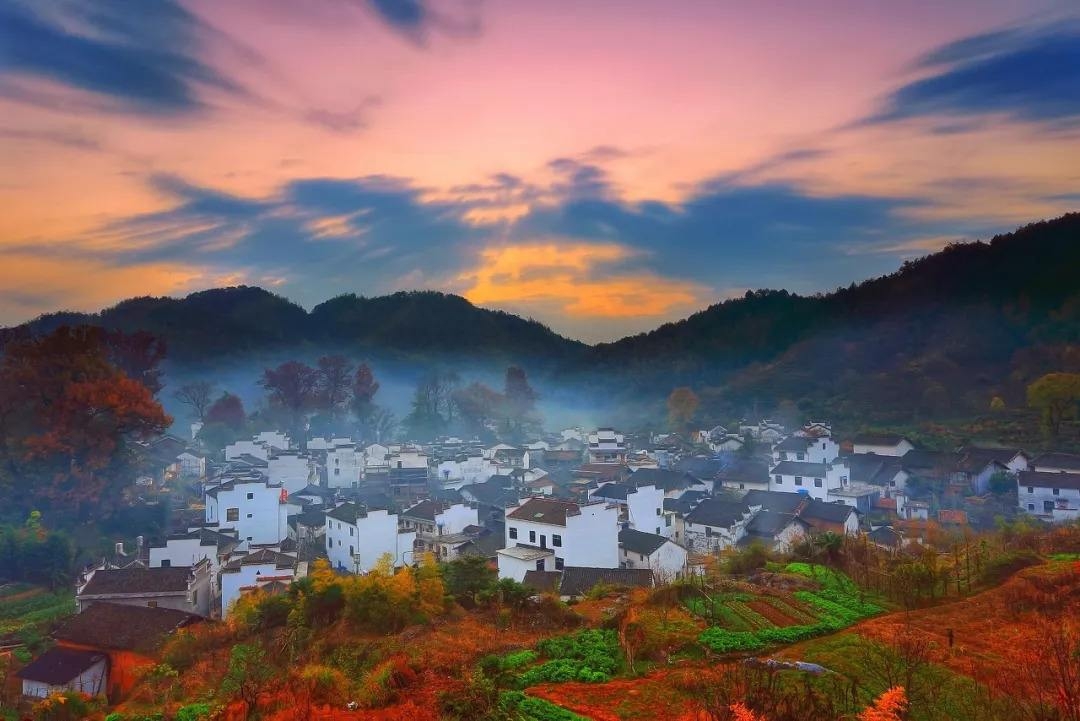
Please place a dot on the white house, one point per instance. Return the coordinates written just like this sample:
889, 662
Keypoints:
806, 449
182, 588
291, 470
882, 444
715, 524
256, 510
641, 506
464, 470
246, 448
375, 458
357, 537
274, 439
814, 479
192, 464
407, 457
188, 549
664, 557
1053, 496
65, 669
547, 534
607, 445
344, 466
432, 521
775, 530
1056, 463
251, 570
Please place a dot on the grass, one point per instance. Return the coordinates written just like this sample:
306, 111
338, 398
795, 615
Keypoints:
30, 610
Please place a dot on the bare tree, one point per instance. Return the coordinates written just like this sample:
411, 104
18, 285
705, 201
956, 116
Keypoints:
198, 396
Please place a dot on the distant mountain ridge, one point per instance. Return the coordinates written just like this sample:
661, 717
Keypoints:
943, 332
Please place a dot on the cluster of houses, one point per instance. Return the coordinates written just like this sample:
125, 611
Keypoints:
559, 514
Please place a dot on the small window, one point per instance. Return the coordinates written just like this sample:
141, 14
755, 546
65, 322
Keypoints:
513, 532
1048, 506
1031, 506
232, 514
151, 604
337, 471
658, 530
532, 536
166, 563
1031, 489
778, 480
249, 515
351, 529
800, 456
658, 511
708, 531
556, 540
558, 564
798, 480
1057, 491
817, 483
195, 597
540, 565
251, 496
351, 551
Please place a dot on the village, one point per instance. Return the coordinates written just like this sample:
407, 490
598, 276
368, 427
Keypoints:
561, 514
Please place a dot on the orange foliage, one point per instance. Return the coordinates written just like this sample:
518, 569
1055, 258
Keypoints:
741, 713
889, 706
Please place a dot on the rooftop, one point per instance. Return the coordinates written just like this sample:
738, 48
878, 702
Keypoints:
640, 542
545, 510
526, 553
58, 666
119, 627
137, 579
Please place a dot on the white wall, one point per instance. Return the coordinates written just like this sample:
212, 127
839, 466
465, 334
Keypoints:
516, 568
645, 510
344, 467
474, 469
233, 581
456, 517
369, 539
235, 450
261, 519
273, 438
1065, 505
191, 465
667, 562
588, 539
184, 552
290, 470
895, 451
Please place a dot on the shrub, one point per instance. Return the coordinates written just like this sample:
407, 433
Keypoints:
194, 712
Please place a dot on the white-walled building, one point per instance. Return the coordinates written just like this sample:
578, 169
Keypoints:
376, 458
715, 524
607, 445
65, 669
642, 506
357, 537
546, 534
882, 444
814, 479
665, 558
188, 549
251, 570
804, 449
291, 470
256, 510
344, 466
1053, 496
464, 470
192, 465
435, 521
246, 448
274, 440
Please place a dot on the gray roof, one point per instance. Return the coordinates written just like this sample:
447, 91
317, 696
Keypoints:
1049, 479
137, 580
1068, 461
777, 501
59, 666
640, 542
817, 510
877, 439
662, 479
767, 524
718, 513
616, 491
579, 580
799, 468
794, 444
542, 581
743, 470
347, 512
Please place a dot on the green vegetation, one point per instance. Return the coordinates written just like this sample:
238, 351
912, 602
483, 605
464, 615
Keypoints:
27, 612
836, 605
593, 656
530, 708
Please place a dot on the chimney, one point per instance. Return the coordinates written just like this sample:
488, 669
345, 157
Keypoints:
119, 548
138, 543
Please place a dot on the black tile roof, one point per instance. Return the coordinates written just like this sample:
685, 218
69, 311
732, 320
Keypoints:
113, 626
59, 666
138, 579
744, 470
616, 491
1068, 461
662, 479
717, 512
545, 510
1049, 479
794, 444
579, 580
347, 512
766, 524
640, 542
542, 581
817, 510
877, 439
776, 501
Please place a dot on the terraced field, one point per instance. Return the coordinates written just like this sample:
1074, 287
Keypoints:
28, 612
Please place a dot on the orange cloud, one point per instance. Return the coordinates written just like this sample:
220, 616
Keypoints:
559, 275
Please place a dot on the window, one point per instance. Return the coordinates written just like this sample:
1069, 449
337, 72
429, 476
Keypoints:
513, 532
658, 530
779, 481
166, 563
151, 604
337, 471
232, 514
708, 531
1031, 506
1048, 506
351, 529
641, 556
742, 486
351, 552
801, 456
329, 543
817, 483
556, 540
558, 564
195, 597
532, 537
540, 565
1031, 489
823, 445
667, 521
892, 484
658, 511
798, 480
1057, 491
251, 496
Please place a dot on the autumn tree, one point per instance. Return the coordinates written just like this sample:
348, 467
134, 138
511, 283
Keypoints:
478, 406
292, 389
334, 376
682, 404
364, 388
227, 410
198, 396
248, 674
1057, 397
889, 706
68, 419
138, 355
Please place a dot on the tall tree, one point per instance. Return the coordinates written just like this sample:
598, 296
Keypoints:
519, 403
1057, 396
682, 404
477, 406
333, 384
198, 396
68, 417
227, 410
291, 388
138, 355
426, 421
364, 388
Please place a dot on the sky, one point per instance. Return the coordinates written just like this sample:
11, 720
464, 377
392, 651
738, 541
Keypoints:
603, 166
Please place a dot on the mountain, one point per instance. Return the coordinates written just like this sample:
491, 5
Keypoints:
232, 322
942, 335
